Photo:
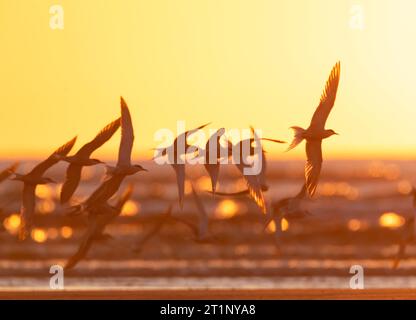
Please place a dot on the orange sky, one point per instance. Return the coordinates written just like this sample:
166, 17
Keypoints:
235, 63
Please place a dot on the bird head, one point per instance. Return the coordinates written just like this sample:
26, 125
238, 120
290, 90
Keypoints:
330, 132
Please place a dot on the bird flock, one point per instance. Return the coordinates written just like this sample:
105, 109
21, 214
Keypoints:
99, 212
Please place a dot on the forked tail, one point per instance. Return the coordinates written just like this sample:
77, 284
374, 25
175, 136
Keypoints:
298, 131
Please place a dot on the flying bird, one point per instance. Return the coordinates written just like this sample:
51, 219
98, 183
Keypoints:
31, 180
213, 150
124, 166
174, 153
99, 217
155, 230
117, 174
256, 183
82, 158
409, 234
316, 131
289, 207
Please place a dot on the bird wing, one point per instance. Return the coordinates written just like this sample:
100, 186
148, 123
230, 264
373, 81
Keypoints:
400, 253
102, 137
192, 131
188, 133
180, 180
73, 176
105, 191
40, 169
124, 197
203, 216
254, 188
27, 210
302, 192
313, 165
143, 240
327, 99
84, 246
5, 173
127, 136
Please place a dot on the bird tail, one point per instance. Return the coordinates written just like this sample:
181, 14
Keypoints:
298, 137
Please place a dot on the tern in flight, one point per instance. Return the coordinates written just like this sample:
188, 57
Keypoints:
409, 234
174, 153
82, 158
99, 217
316, 131
288, 208
213, 150
124, 166
31, 180
154, 231
116, 174
256, 184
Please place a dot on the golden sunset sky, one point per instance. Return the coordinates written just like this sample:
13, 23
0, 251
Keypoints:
233, 62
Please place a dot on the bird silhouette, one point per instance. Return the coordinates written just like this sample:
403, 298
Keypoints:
316, 131
115, 175
256, 183
174, 152
213, 153
31, 180
82, 158
409, 234
124, 166
154, 231
289, 208
99, 217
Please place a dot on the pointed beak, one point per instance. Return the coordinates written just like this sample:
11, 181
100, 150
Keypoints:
337, 133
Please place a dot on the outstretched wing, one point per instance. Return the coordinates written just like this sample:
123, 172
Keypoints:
203, 216
8, 171
102, 137
254, 188
124, 197
327, 99
40, 169
73, 176
167, 215
127, 136
84, 246
27, 210
180, 180
313, 165
105, 191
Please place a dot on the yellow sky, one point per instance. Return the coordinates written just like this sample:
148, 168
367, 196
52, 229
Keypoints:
233, 62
